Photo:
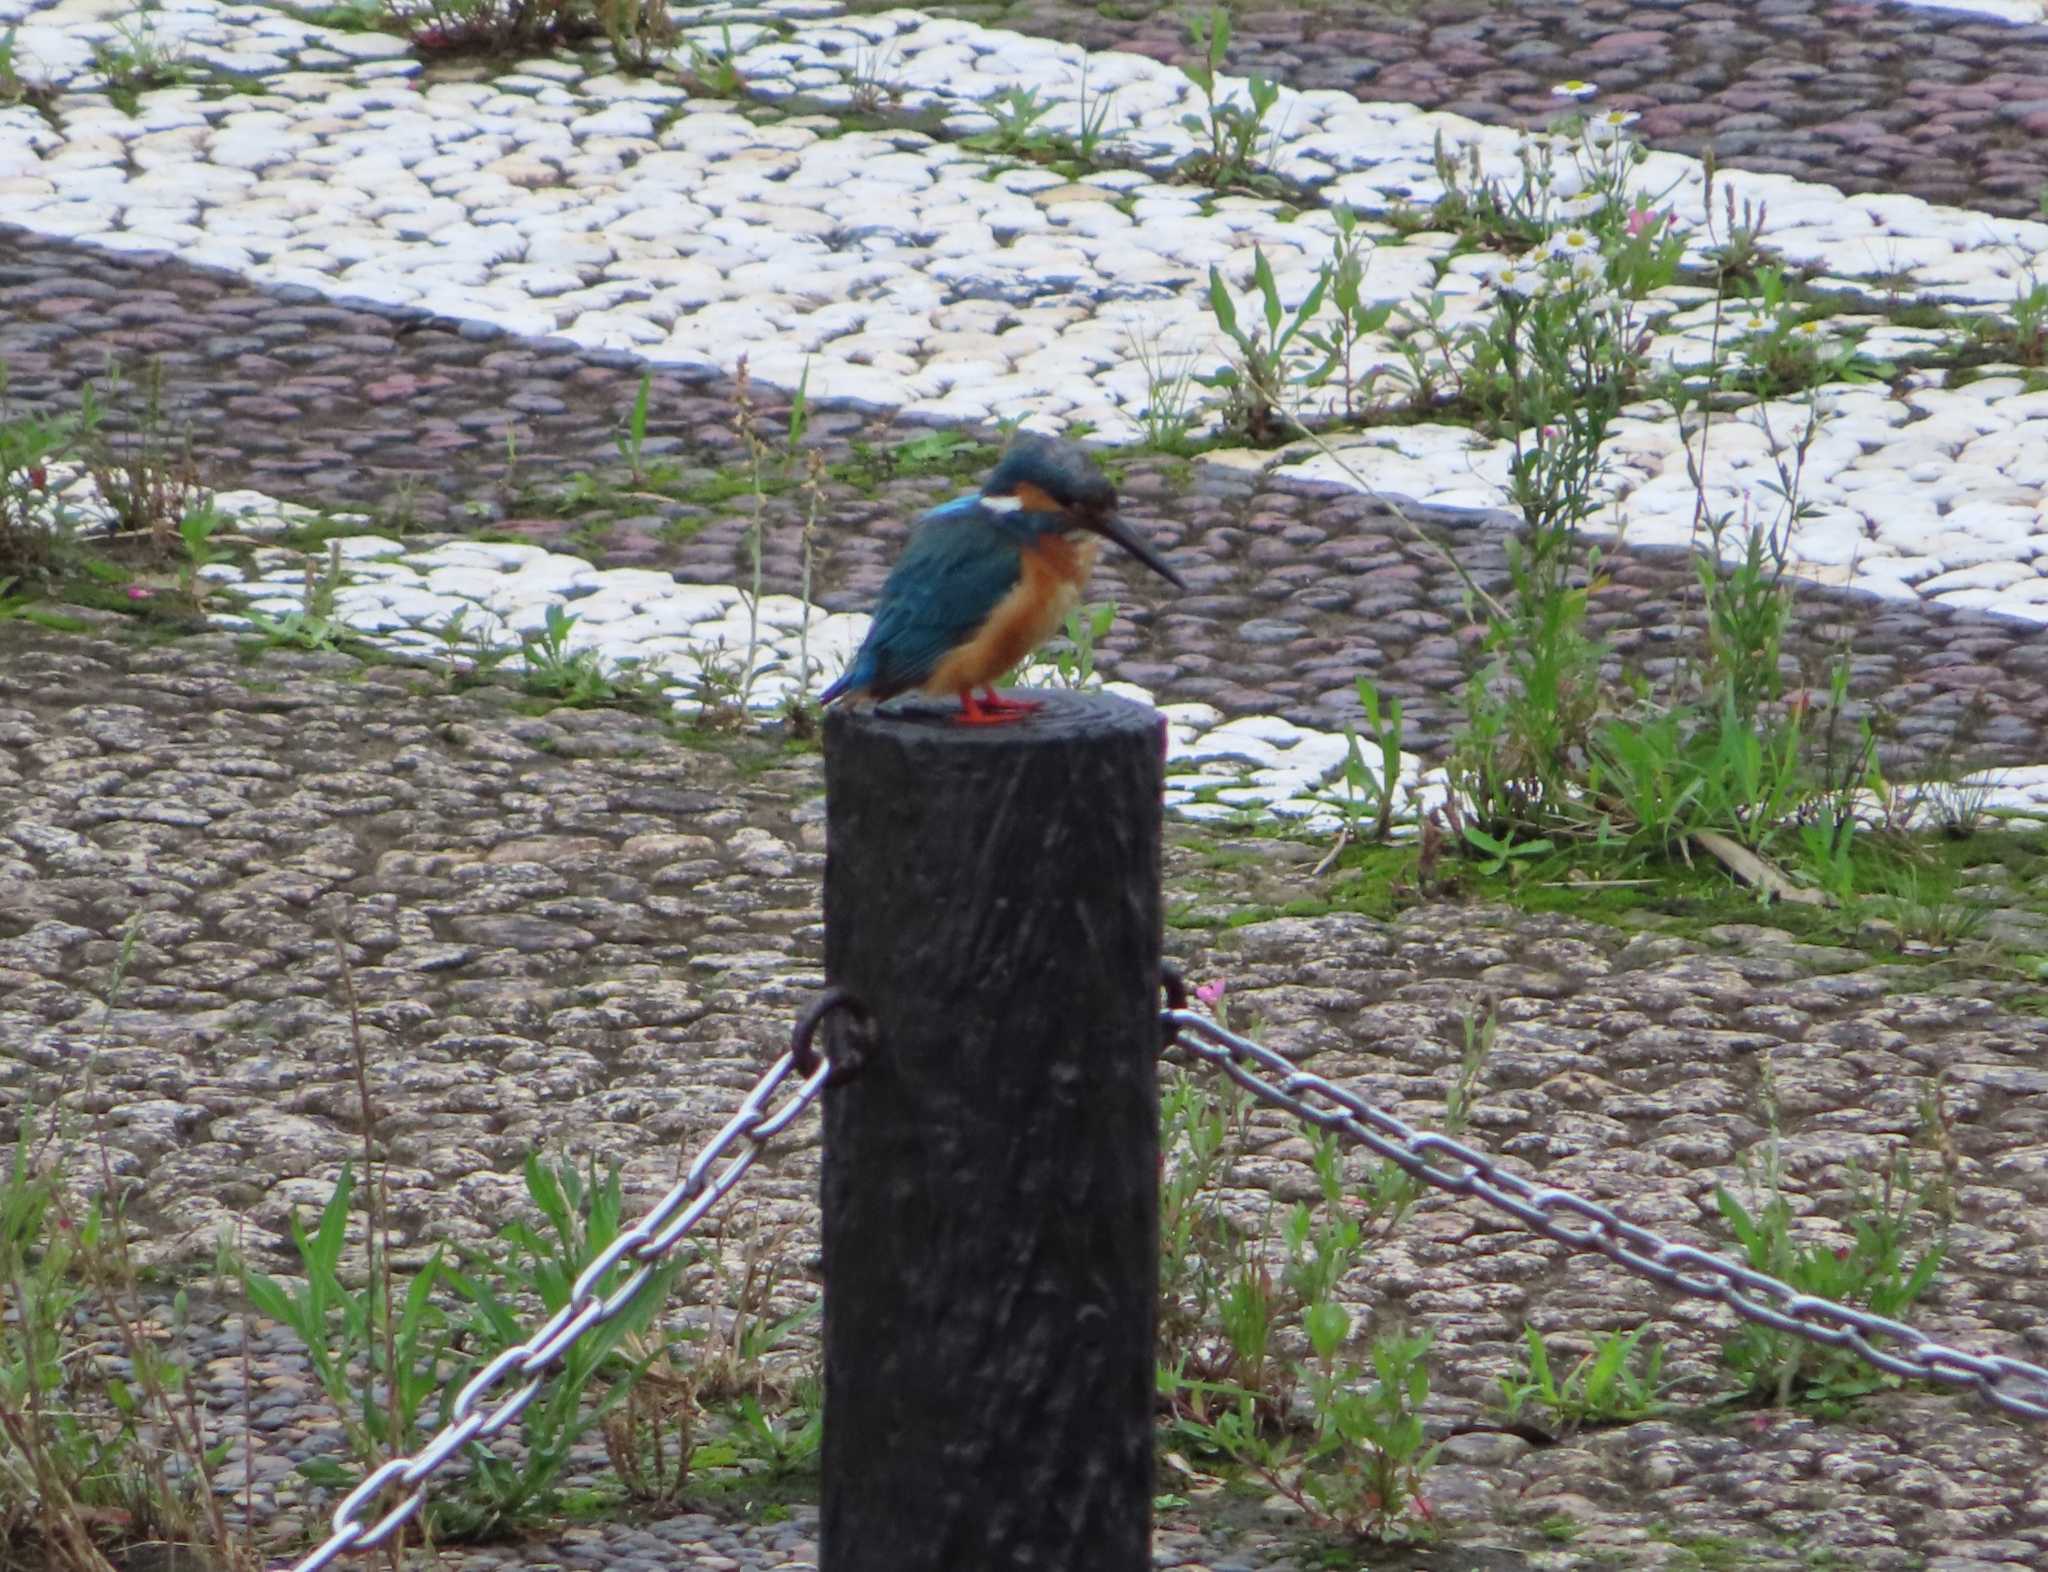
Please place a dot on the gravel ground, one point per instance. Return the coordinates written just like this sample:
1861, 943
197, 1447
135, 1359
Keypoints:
572, 932
1948, 106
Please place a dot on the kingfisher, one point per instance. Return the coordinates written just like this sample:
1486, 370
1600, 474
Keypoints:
987, 578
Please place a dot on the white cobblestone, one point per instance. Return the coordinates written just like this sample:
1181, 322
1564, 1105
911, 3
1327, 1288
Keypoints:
621, 213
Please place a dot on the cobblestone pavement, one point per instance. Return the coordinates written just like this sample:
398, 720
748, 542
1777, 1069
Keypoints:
1950, 106
565, 200
575, 932
1295, 589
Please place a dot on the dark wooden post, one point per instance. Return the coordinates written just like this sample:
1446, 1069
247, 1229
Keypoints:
990, 1188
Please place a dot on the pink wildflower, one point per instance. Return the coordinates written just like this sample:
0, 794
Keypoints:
1211, 993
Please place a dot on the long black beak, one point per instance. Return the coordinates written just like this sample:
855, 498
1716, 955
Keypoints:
1112, 528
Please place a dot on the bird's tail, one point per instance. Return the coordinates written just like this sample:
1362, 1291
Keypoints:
858, 675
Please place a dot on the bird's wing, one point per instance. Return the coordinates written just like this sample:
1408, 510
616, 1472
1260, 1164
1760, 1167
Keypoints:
956, 569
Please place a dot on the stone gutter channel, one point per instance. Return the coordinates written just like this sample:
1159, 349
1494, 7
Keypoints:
1940, 103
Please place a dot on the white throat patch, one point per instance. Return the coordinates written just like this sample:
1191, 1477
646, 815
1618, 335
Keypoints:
1002, 504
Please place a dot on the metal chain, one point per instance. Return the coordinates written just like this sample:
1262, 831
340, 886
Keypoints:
528, 1364
2011, 1384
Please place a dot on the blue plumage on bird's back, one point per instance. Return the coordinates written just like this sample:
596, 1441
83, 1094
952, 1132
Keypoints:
961, 561
986, 578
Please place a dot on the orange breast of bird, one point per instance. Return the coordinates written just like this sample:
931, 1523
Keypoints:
1055, 569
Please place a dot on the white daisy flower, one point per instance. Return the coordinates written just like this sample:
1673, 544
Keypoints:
1604, 130
1515, 278
1570, 242
1575, 89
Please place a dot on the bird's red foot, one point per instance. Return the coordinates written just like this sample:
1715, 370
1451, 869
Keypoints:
992, 700
974, 713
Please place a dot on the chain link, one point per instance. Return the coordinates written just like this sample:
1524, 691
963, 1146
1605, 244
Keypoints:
2011, 1384
753, 1123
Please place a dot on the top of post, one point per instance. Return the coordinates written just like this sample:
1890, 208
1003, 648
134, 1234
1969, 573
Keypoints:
1068, 717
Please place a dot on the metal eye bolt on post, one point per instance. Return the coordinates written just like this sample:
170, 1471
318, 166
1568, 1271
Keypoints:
990, 1183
